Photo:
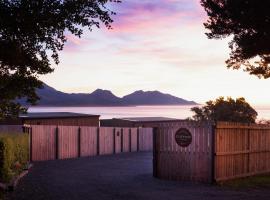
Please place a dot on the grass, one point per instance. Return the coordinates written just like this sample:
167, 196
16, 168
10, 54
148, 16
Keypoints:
252, 182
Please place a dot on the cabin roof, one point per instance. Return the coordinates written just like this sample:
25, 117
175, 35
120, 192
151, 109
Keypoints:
149, 119
49, 115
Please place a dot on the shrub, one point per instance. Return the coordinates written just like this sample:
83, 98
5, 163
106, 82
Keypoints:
14, 155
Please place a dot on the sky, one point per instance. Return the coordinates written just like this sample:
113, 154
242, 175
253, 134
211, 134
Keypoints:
154, 45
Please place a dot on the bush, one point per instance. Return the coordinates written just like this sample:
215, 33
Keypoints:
14, 155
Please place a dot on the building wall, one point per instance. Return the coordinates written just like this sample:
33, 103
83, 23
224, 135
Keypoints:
116, 123
126, 123
78, 121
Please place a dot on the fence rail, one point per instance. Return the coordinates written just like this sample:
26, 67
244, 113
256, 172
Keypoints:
61, 142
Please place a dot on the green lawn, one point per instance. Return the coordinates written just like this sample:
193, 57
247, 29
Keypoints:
259, 181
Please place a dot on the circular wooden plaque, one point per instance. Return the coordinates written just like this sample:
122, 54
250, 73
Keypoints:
183, 137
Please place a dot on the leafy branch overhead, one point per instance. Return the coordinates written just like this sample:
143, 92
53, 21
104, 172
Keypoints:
248, 21
33, 31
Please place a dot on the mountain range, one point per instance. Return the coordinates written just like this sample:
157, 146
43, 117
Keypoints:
52, 97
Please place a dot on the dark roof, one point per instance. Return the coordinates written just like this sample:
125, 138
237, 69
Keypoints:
49, 115
149, 119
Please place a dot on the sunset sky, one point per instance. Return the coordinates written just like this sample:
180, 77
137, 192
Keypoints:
154, 45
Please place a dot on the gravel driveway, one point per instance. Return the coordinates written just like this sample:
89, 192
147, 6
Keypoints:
123, 176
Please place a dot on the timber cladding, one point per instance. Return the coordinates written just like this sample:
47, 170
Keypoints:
63, 142
216, 153
76, 121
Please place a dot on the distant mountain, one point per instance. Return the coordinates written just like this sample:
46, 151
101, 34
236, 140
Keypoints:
154, 98
52, 97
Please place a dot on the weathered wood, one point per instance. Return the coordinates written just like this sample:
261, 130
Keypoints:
241, 150
191, 163
51, 142
89, 141
43, 143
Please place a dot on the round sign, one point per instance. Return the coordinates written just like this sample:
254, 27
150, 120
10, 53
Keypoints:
183, 137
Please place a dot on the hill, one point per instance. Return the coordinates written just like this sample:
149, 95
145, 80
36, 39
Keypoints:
52, 97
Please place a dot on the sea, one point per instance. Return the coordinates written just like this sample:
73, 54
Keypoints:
178, 112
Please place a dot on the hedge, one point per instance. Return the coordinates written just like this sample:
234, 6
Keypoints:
14, 155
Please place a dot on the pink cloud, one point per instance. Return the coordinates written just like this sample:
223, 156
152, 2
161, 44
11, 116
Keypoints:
139, 16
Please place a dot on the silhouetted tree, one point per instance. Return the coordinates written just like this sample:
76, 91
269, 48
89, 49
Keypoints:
248, 21
225, 110
32, 31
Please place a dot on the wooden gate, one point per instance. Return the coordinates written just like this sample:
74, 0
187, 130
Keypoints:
192, 163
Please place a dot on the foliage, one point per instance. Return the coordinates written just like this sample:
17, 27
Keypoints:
226, 110
33, 31
263, 122
14, 155
248, 21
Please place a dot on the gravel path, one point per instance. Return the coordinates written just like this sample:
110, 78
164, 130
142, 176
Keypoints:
118, 177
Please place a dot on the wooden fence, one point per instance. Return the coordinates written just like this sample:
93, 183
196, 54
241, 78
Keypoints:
241, 150
11, 128
217, 152
192, 163
52, 142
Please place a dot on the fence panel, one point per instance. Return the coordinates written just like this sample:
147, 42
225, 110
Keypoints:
43, 142
126, 139
106, 140
134, 139
241, 150
117, 140
145, 139
88, 141
68, 142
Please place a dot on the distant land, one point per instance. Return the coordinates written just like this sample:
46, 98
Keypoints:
52, 97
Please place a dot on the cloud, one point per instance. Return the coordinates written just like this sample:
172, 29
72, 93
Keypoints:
140, 16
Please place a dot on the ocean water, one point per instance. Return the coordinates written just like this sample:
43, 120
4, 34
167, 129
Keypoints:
179, 112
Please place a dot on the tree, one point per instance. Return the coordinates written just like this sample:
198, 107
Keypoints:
33, 31
225, 110
248, 21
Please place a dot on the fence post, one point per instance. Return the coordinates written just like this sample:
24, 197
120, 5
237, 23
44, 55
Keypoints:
56, 143
122, 138
79, 142
155, 163
28, 130
138, 139
98, 131
114, 143
130, 143
213, 154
